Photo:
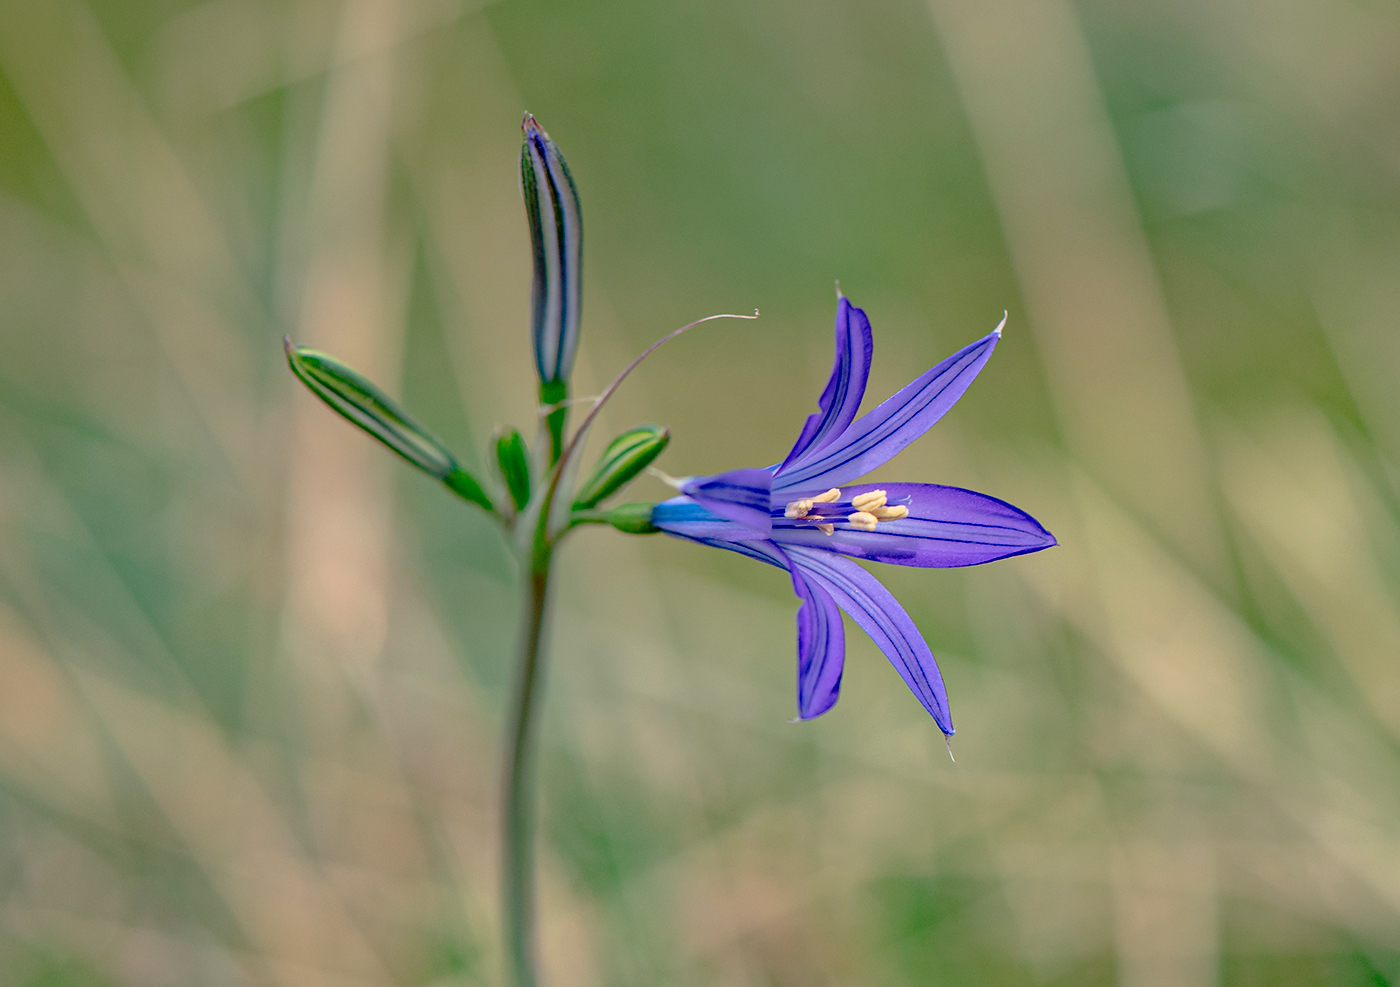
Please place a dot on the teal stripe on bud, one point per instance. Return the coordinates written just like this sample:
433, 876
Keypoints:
556, 234
625, 457
513, 461
358, 400
633, 519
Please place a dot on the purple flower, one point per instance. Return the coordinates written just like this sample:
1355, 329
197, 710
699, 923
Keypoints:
806, 516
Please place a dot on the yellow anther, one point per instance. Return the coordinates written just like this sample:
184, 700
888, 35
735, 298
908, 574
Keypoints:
869, 501
891, 513
863, 521
798, 508
827, 529
831, 496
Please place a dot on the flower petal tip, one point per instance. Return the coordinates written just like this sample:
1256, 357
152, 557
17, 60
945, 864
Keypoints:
1000, 325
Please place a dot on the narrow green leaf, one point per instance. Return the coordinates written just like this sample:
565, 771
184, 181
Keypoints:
625, 457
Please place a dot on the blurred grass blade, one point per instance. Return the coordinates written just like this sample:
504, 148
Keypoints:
625, 457
514, 464
358, 400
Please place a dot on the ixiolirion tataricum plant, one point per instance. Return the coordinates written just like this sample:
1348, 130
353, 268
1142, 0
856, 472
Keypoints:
802, 515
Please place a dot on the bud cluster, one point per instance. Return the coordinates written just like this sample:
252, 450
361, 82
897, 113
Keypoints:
556, 239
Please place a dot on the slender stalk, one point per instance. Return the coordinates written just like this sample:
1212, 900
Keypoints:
518, 803
554, 395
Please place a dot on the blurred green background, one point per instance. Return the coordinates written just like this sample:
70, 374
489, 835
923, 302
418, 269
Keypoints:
252, 668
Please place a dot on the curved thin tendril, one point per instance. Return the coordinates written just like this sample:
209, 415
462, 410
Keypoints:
601, 399
582, 431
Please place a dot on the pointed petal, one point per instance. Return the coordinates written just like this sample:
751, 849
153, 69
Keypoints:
821, 638
898, 421
821, 647
846, 387
739, 495
879, 615
684, 518
946, 526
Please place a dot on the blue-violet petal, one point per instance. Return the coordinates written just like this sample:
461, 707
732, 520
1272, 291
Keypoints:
898, 421
880, 615
821, 647
739, 495
844, 390
946, 526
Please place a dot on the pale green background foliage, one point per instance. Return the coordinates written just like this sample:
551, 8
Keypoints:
252, 667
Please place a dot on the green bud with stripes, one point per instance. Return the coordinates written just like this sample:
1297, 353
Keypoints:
625, 457
556, 241
556, 234
359, 401
513, 462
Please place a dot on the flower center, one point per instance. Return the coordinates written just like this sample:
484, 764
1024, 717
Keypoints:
863, 512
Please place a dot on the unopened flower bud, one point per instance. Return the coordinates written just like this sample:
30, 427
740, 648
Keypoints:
514, 465
358, 400
625, 457
556, 234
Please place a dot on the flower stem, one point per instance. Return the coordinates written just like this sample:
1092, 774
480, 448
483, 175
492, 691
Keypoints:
518, 803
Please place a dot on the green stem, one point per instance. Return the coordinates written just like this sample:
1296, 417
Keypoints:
554, 394
518, 804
